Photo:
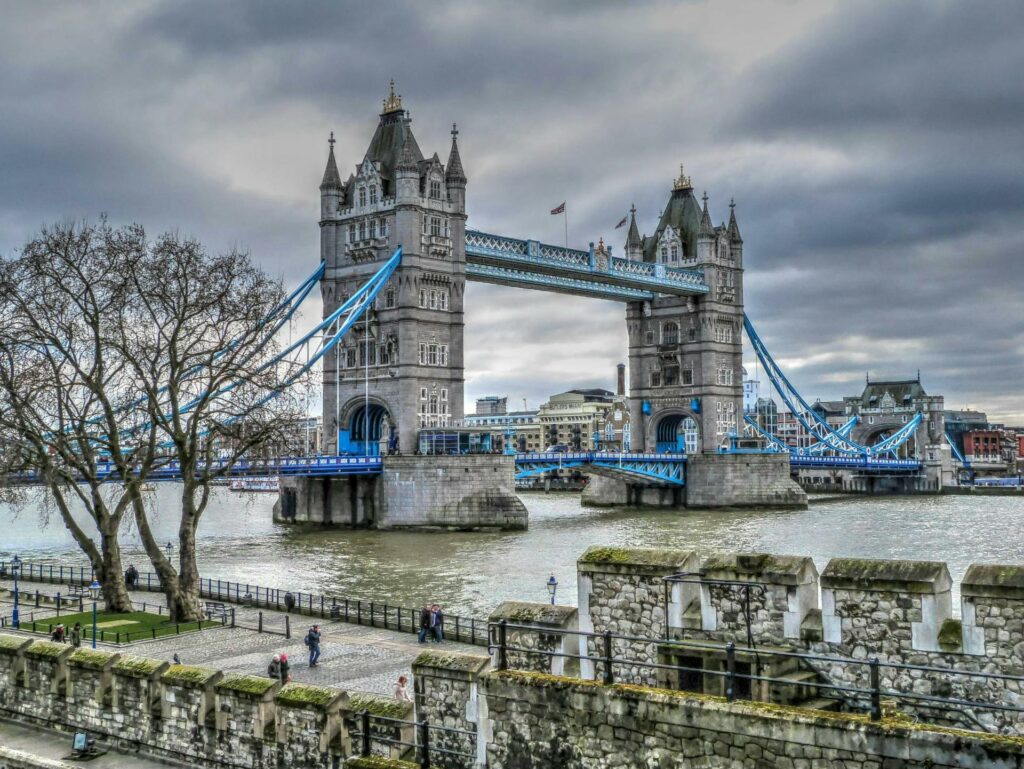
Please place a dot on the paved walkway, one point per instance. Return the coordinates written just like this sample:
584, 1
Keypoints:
355, 658
56, 746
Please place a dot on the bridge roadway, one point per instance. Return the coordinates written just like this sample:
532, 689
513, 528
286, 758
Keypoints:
665, 468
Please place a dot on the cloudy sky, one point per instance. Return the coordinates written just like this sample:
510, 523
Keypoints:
875, 152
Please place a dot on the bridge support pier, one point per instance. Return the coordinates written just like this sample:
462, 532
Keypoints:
451, 492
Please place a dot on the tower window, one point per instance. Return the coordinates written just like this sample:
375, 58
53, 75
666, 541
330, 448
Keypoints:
423, 297
670, 334
435, 226
383, 228
373, 194
675, 252
443, 300
373, 229
362, 196
362, 230
351, 233
350, 357
435, 189
389, 298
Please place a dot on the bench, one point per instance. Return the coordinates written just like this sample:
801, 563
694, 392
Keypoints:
216, 609
78, 591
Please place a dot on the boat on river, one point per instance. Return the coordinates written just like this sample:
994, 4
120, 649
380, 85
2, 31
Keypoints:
254, 484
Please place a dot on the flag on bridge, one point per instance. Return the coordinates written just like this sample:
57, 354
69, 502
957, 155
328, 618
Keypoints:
622, 223
558, 209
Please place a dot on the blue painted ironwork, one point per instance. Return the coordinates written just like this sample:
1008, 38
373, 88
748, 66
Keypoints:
659, 468
956, 452
507, 276
521, 258
862, 462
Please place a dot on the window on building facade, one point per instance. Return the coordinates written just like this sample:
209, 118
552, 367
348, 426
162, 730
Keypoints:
362, 230
373, 229
431, 354
435, 189
609, 432
655, 379
362, 196
675, 252
671, 375
687, 376
373, 194
649, 337
443, 355
435, 225
664, 254
723, 334
351, 233
423, 393
670, 334
443, 300
423, 354
433, 300
726, 418
350, 357
389, 298
383, 228
724, 376
423, 297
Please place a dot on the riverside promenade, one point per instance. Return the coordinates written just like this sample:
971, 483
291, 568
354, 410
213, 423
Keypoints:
355, 657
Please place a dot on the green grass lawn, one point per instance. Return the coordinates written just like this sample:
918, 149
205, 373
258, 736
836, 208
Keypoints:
117, 628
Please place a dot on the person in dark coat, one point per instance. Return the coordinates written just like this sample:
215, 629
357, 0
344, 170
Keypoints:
424, 623
289, 602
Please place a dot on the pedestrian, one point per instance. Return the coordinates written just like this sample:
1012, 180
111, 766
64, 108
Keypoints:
176, 659
312, 640
401, 690
289, 602
437, 623
274, 668
286, 675
424, 623
57, 636
131, 577
76, 635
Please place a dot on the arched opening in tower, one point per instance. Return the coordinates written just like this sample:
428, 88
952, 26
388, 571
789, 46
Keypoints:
678, 433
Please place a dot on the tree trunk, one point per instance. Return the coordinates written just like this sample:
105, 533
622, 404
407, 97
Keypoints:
183, 596
111, 575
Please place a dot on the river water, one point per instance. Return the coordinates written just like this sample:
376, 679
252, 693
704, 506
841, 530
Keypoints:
469, 573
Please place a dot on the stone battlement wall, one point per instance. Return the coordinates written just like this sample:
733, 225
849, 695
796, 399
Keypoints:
198, 716
856, 609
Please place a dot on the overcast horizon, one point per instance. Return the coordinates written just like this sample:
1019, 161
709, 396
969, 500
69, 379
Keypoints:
874, 151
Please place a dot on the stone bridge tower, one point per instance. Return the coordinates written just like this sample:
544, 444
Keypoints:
686, 354
401, 367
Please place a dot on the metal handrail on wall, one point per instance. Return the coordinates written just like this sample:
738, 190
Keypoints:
422, 745
358, 611
874, 693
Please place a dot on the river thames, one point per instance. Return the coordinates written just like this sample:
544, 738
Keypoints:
470, 573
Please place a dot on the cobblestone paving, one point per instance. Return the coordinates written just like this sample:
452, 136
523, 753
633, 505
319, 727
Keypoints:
354, 657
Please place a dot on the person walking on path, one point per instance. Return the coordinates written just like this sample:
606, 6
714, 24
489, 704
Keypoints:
76, 635
312, 640
274, 668
131, 577
289, 602
286, 668
438, 623
402, 690
424, 623
57, 636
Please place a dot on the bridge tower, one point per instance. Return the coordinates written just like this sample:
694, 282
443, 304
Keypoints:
401, 367
686, 353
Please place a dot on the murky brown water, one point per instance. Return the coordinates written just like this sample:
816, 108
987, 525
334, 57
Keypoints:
470, 573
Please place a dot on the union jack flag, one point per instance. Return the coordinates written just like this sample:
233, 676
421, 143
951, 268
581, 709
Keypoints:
622, 223
558, 209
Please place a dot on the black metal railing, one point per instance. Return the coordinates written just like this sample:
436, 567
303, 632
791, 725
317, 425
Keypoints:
389, 616
866, 698
423, 746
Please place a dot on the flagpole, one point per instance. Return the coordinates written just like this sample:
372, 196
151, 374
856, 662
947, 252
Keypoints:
565, 213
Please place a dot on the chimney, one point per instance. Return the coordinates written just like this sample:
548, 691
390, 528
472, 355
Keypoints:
620, 386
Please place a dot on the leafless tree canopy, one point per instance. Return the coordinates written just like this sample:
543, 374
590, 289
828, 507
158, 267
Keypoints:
114, 349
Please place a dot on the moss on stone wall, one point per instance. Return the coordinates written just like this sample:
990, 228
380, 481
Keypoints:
91, 658
523, 612
451, 660
867, 573
378, 762
633, 556
255, 686
137, 667
46, 649
306, 695
187, 675
11, 643
379, 706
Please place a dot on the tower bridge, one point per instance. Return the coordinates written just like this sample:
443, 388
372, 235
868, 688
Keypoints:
395, 257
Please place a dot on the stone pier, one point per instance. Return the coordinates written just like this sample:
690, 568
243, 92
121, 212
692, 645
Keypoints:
467, 492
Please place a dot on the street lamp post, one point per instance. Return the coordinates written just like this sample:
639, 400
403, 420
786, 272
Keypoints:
552, 588
169, 547
15, 570
94, 591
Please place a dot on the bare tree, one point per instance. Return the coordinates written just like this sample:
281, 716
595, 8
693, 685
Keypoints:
206, 361
64, 393
119, 356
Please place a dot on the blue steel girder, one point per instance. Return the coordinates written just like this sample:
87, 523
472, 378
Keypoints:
667, 469
518, 278
535, 258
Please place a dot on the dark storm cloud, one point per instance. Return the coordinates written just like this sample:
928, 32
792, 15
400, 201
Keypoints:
874, 151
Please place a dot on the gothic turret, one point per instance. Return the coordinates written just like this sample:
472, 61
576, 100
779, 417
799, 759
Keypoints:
407, 175
734, 228
705, 235
454, 175
330, 187
634, 245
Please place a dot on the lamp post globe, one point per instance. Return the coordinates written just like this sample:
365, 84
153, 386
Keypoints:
552, 588
94, 591
16, 572
169, 547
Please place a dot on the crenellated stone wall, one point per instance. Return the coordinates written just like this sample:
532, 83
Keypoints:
538, 627
188, 714
899, 612
446, 695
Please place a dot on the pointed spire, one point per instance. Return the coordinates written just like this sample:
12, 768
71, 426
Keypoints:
683, 181
453, 171
734, 229
393, 102
331, 176
633, 237
706, 227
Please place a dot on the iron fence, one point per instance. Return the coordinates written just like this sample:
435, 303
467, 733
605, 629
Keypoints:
864, 698
423, 747
403, 619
